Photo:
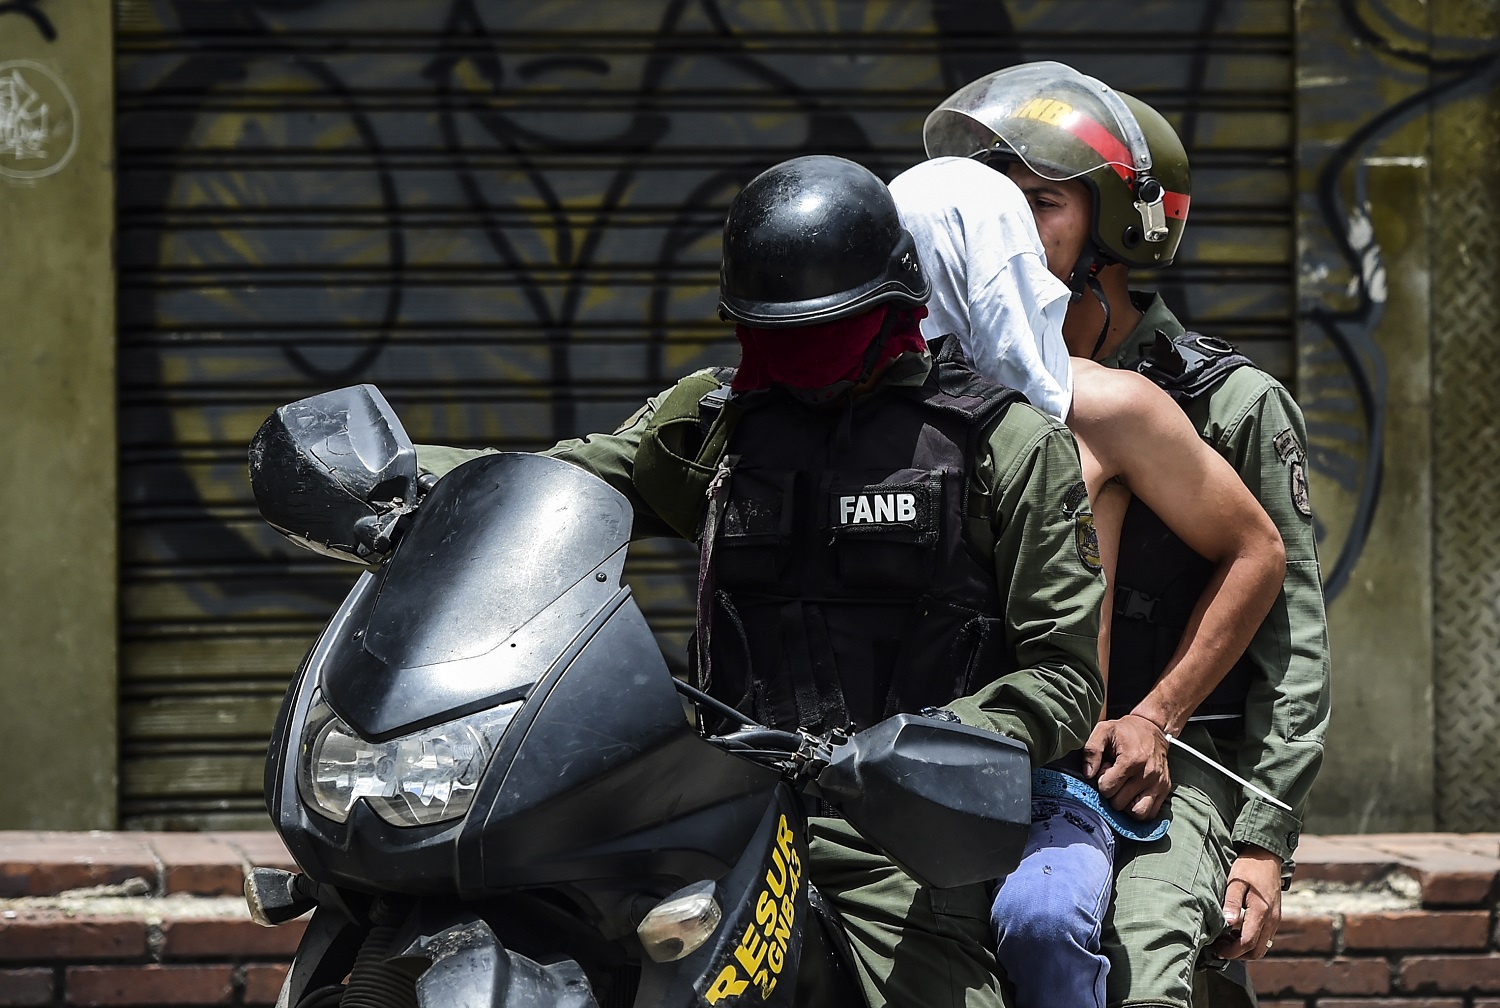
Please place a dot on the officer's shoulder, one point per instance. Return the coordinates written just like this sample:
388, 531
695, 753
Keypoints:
1245, 386
1022, 425
716, 375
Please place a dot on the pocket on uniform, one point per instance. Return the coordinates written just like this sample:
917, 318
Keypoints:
1191, 855
885, 534
756, 530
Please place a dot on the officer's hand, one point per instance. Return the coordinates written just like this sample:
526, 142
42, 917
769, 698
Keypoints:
1252, 905
1127, 761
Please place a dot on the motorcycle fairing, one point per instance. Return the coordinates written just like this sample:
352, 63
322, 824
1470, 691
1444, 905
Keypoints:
509, 558
602, 776
753, 957
324, 955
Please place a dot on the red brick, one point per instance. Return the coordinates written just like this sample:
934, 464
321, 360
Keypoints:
24, 988
260, 848
49, 934
43, 864
199, 863
1486, 1003
1299, 1003
149, 985
1341, 859
1320, 976
230, 939
1479, 974
1395, 1002
1303, 934
1417, 929
263, 982
1450, 875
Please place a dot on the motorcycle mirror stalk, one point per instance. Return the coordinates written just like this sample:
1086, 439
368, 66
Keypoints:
911, 784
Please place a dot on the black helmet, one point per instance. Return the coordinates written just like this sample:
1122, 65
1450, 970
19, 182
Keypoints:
812, 240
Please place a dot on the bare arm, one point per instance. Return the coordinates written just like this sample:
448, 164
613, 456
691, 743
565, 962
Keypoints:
1139, 433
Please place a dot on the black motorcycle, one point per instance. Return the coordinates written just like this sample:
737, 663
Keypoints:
499, 795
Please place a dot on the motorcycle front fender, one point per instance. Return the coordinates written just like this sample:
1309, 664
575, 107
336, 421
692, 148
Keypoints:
463, 965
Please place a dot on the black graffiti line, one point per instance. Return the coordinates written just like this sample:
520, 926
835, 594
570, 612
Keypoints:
678, 237
1385, 122
1370, 389
1373, 410
27, 9
396, 236
1368, 33
508, 133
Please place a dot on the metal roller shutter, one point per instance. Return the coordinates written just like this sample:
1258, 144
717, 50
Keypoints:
506, 215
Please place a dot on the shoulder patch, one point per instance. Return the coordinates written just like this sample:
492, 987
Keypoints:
1289, 450
1076, 508
1300, 499
1286, 446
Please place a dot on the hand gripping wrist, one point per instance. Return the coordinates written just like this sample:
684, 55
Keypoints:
1150, 722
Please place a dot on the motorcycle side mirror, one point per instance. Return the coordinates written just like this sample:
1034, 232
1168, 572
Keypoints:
335, 473
950, 804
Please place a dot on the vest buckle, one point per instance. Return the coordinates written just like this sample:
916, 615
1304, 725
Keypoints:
1135, 605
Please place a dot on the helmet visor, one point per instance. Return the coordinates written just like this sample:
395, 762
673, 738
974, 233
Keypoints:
1056, 121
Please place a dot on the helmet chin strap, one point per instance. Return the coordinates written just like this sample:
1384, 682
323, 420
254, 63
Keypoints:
1086, 274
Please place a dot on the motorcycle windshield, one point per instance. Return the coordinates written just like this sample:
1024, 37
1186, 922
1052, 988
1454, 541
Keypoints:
507, 561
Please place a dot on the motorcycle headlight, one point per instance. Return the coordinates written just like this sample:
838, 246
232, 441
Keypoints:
426, 777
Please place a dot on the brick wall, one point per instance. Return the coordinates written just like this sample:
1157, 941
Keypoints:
1386, 921
146, 919
121, 919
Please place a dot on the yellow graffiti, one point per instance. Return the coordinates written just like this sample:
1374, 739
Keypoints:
1047, 110
760, 956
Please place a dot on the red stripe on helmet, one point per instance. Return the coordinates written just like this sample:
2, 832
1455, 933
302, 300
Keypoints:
1112, 150
1104, 143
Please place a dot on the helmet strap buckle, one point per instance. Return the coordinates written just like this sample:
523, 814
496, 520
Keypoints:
1150, 204
1086, 275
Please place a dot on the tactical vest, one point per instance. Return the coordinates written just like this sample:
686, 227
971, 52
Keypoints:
843, 589
1158, 577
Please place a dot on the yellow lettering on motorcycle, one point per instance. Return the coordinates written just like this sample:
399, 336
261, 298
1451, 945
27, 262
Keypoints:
726, 984
765, 912
751, 951
786, 839
761, 954
1047, 110
777, 880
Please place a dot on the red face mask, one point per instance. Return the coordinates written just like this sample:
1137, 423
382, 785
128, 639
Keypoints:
817, 357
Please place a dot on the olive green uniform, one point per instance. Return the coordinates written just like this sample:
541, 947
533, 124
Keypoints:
920, 947
1169, 894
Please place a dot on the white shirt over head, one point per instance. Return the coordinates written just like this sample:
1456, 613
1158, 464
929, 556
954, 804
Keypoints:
979, 247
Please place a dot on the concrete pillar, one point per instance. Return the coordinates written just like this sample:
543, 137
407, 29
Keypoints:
57, 416
1363, 373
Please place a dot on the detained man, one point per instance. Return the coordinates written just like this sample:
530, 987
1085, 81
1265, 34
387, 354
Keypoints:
991, 288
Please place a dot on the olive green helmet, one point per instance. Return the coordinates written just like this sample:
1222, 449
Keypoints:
1065, 125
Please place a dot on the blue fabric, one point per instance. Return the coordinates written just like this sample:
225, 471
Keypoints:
1052, 784
1048, 913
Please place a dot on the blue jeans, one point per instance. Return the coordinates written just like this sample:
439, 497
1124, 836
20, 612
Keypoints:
1048, 913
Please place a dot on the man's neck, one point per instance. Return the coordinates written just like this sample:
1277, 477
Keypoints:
1086, 316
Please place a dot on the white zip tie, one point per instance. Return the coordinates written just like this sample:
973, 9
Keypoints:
1173, 740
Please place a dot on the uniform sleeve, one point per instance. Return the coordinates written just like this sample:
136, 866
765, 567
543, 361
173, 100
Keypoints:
1286, 712
1051, 594
611, 457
